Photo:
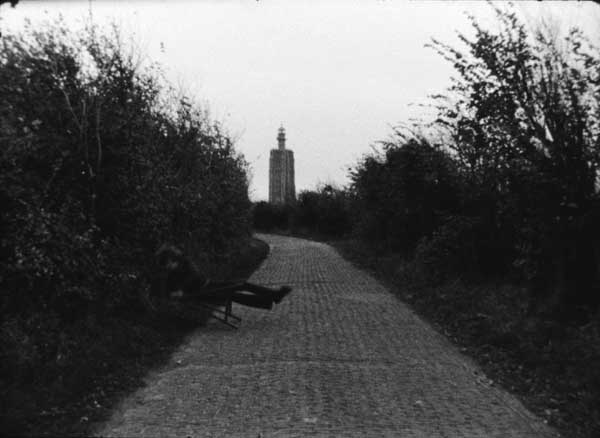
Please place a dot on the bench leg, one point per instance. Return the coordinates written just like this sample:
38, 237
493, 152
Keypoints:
224, 315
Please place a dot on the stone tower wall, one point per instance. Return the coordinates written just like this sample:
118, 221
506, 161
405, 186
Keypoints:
282, 188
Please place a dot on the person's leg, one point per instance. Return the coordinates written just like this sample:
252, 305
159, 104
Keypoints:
223, 286
249, 294
252, 300
275, 294
215, 291
258, 290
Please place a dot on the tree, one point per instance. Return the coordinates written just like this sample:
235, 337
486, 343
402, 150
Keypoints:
402, 195
523, 115
100, 163
325, 211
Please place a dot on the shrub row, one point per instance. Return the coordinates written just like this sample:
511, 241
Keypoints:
100, 163
323, 212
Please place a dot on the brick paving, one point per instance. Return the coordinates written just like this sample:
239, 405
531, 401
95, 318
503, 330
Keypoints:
340, 356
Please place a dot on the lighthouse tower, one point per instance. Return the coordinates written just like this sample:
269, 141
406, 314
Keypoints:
282, 189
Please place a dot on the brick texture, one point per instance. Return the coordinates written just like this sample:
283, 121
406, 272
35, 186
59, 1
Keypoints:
340, 356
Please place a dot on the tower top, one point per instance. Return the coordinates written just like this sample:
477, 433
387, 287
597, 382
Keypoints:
281, 138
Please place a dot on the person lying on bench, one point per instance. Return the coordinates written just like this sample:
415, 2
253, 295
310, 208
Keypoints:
181, 279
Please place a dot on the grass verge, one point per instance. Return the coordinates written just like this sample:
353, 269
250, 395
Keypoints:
109, 357
554, 368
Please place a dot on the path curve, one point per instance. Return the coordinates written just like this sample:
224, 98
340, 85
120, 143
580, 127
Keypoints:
340, 356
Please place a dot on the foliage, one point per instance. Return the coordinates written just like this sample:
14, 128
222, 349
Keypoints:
13, 3
524, 123
324, 211
453, 249
271, 217
402, 195
100, 163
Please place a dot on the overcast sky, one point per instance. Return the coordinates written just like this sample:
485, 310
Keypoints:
336, 74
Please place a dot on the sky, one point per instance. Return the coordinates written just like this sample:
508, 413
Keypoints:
337, 74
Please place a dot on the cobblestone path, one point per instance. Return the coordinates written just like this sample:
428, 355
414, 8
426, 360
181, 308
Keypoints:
340, 356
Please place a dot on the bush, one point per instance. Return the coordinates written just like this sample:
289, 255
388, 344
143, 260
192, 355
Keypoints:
523, 123
519, 156
271, 217
325, 212
453, 249
101, 163
403, 195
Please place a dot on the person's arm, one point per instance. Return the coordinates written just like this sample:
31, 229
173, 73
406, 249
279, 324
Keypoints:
196, 282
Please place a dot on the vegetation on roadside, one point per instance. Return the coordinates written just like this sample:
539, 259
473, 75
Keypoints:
101, 161
323, 212
487, 218
551, 366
